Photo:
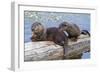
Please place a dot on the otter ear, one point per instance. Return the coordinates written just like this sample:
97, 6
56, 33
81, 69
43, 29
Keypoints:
32, 29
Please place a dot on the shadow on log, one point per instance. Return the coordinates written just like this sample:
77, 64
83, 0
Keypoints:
46, 50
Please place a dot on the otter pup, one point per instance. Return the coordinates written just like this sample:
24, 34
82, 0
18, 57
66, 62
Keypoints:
37, 32
73, 30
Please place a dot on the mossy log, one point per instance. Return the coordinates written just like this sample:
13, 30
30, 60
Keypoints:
47, 50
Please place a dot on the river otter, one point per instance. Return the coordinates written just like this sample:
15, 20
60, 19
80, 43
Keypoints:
37, 32
57, 36
73, 30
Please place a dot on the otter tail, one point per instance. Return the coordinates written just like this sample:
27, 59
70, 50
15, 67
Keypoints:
85, 32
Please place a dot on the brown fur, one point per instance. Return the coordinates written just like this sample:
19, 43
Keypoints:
72, 29
37, 32
54, 34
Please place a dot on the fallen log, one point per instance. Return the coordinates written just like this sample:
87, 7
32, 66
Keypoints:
47, 50
75, 49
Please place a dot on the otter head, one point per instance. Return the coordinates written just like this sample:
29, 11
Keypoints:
64, 26
37, 28
37, 31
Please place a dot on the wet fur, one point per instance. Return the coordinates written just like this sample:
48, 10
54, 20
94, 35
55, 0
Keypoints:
73, 30
37, 32
57, 36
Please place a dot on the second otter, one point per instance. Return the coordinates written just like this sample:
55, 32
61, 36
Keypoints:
73, 30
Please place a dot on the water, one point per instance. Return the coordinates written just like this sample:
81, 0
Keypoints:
53, 19
86, 55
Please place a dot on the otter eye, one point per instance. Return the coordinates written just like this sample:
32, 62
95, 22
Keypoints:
64, 25
32, 29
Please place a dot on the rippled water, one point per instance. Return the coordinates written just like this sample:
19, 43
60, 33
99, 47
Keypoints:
86, 55
53, 19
